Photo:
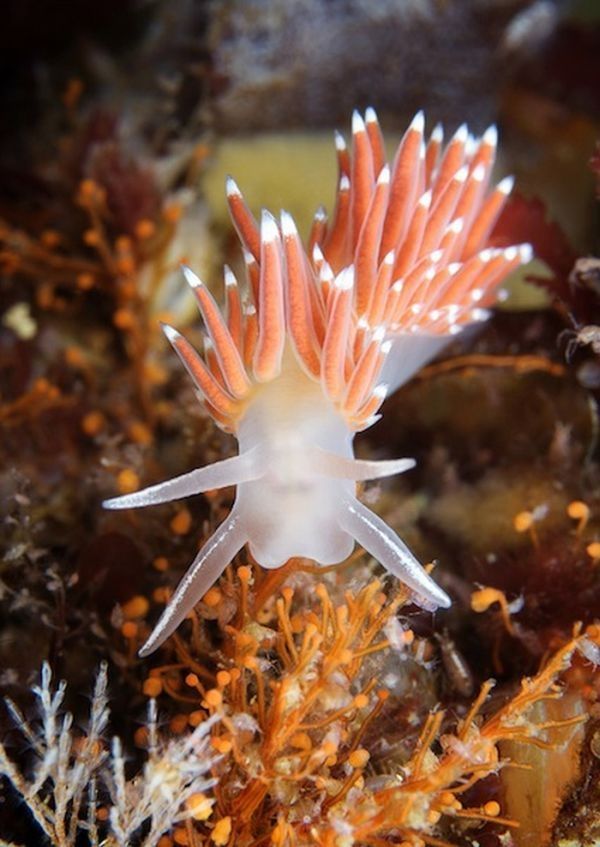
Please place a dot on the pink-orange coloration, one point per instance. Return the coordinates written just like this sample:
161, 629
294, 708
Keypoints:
306, 357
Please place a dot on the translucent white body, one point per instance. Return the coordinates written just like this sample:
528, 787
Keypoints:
296, 481
408, 354
292, 509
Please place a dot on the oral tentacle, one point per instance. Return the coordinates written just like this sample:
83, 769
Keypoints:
340, 467
206, 568
233, 471
378, 539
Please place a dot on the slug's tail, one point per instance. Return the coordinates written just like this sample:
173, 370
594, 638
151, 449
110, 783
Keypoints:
206, 568
243, 468
383, 544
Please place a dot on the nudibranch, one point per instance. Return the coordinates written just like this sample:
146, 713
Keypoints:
313, 341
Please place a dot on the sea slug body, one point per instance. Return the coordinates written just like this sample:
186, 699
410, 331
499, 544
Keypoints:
305, 356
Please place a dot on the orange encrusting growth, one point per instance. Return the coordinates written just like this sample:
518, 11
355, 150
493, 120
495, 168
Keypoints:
406, 252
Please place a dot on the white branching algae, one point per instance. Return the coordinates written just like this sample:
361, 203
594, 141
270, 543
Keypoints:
72, 769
